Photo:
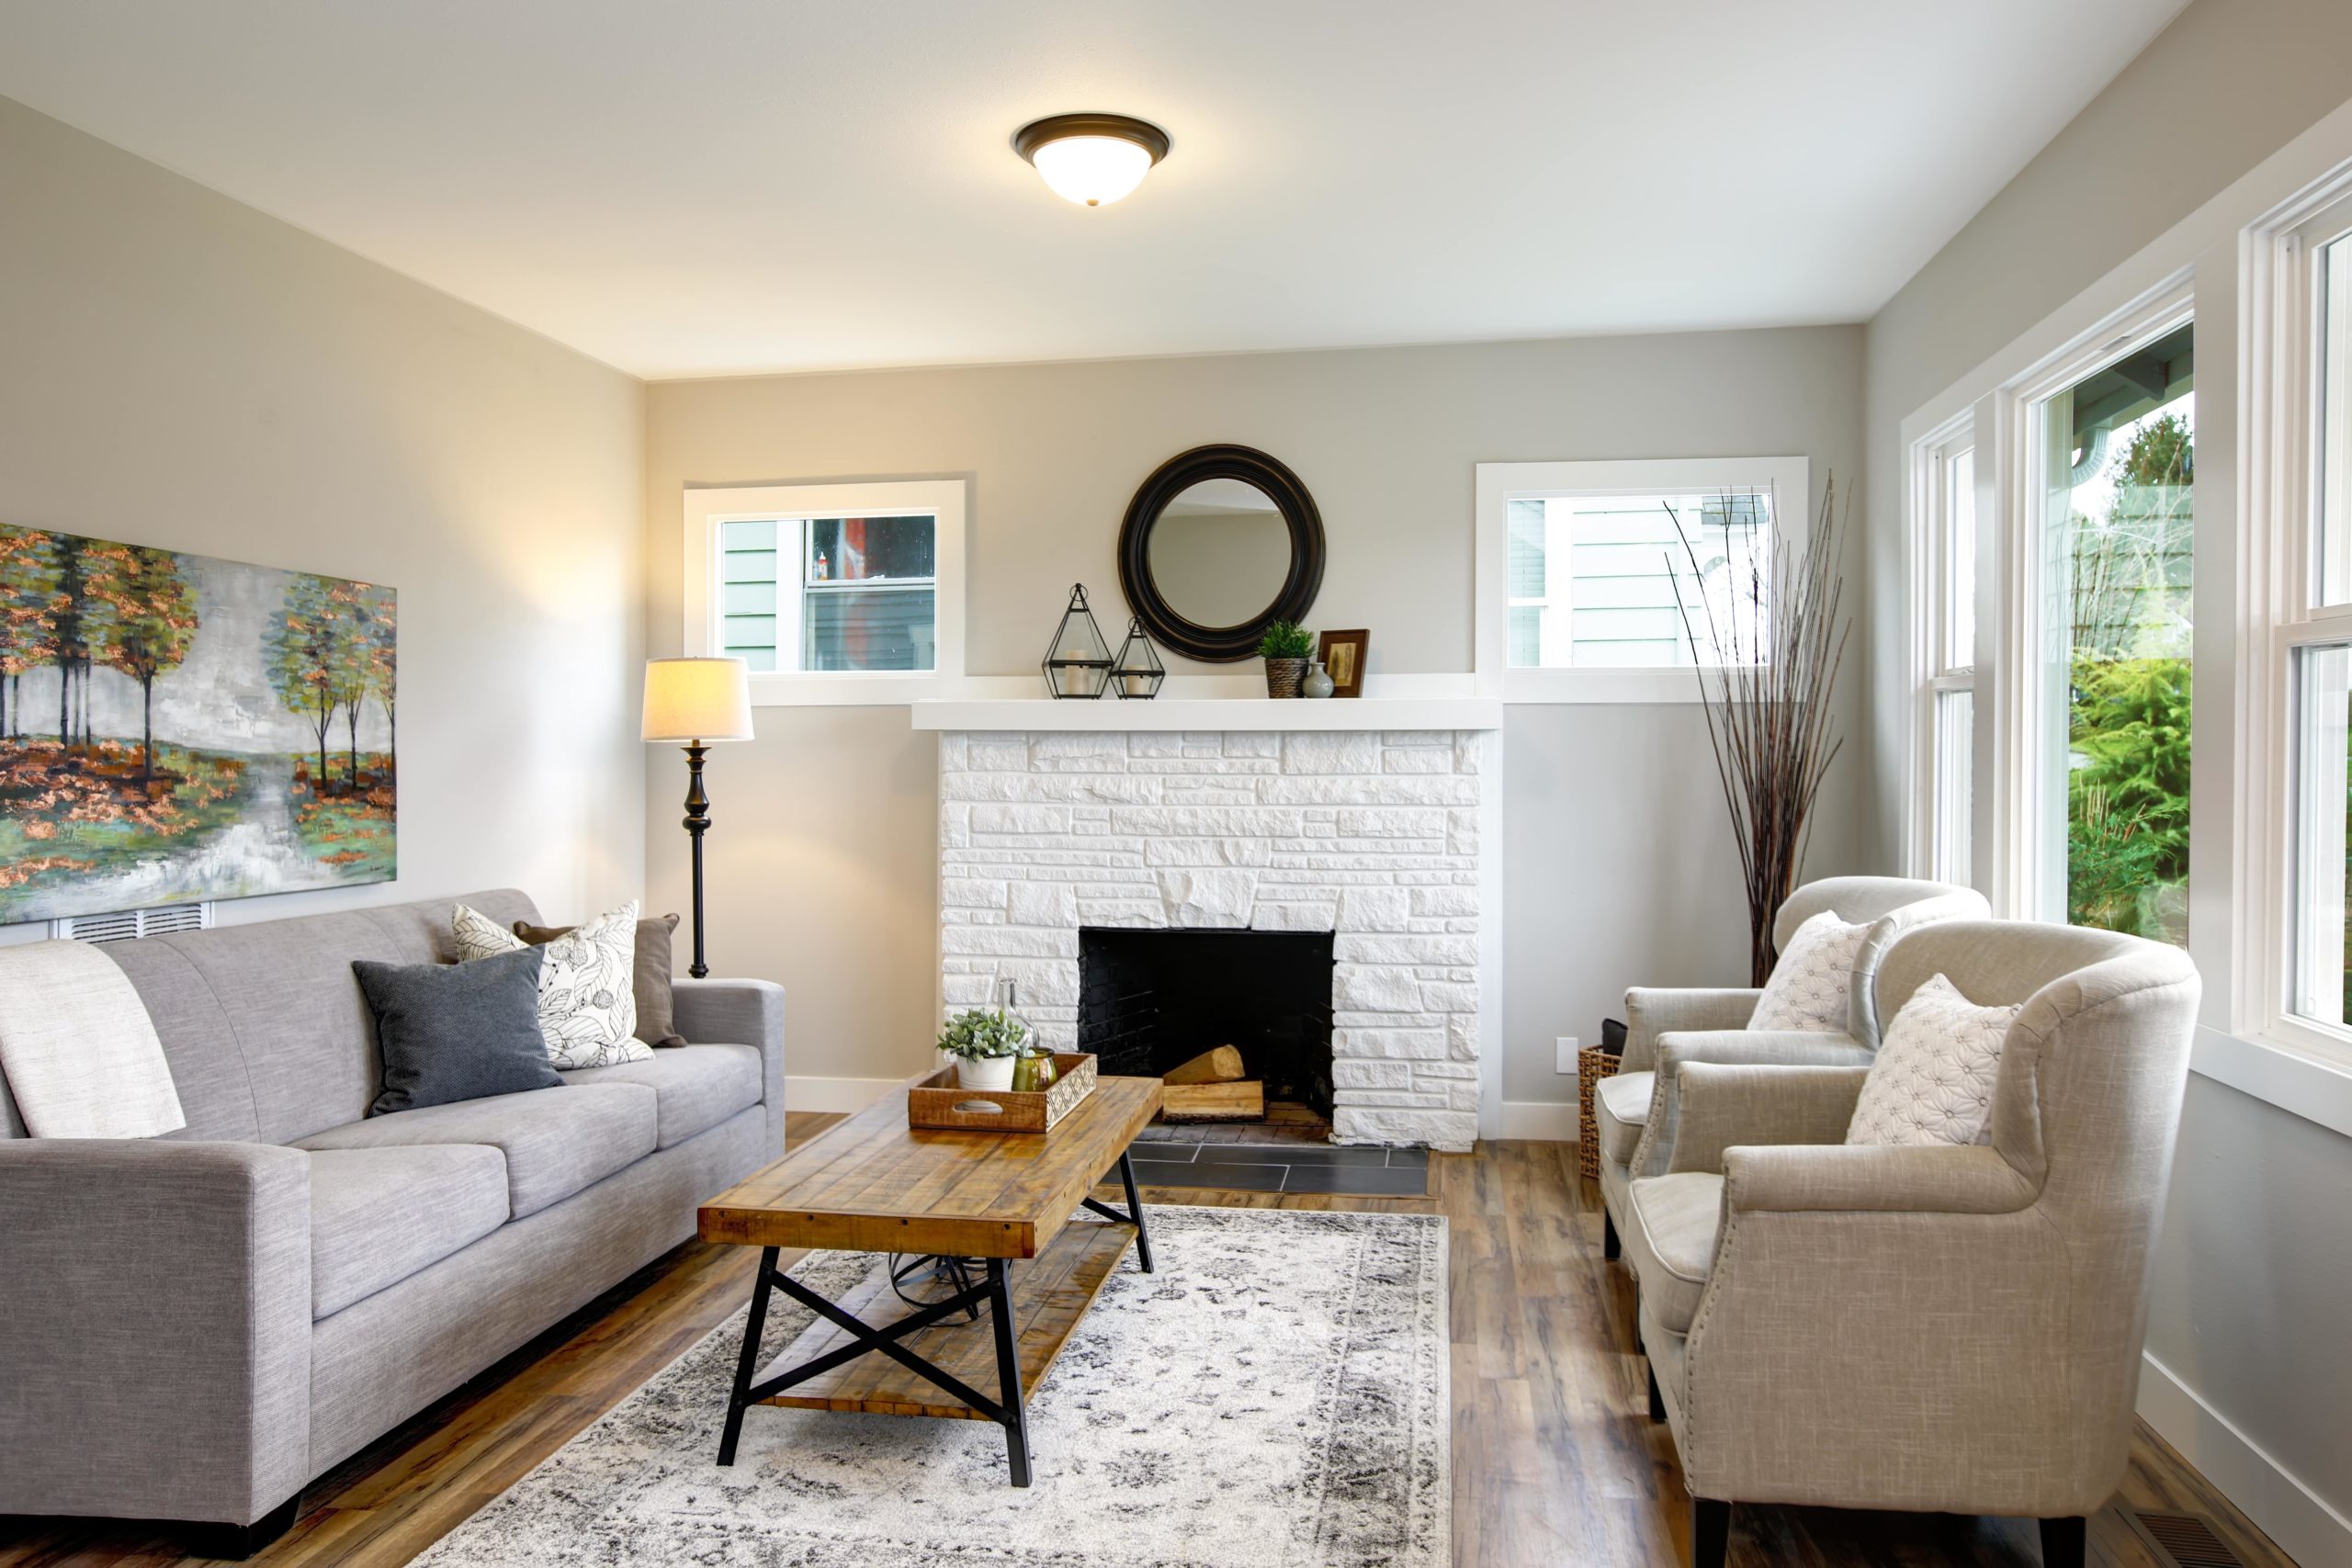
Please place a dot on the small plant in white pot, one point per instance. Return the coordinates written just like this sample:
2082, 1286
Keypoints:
986, 1045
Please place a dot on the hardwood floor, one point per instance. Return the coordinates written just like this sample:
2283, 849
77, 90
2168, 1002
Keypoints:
1555, 1458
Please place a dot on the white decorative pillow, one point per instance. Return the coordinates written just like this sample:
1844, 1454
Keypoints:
1932, 1080
587, 997
1810, 987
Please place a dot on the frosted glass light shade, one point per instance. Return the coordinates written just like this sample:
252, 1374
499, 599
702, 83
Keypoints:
1091, 158
694, 701
1091, 170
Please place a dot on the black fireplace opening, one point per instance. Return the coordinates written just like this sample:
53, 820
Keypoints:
1152, 999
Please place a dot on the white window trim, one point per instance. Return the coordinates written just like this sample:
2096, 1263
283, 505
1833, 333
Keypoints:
2276, 505
945, 499
1926, 537
1499, 484
2224, 921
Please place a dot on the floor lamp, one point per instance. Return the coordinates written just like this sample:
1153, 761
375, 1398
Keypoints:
696, 702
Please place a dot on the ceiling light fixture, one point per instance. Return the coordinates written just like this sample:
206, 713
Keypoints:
1091, 158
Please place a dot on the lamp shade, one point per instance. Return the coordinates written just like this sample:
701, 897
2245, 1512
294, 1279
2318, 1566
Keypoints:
698, 700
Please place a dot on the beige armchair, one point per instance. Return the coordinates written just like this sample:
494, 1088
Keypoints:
1950, 1329
1672, 1026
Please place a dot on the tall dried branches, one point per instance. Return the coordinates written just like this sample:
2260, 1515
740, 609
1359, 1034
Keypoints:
1767, 666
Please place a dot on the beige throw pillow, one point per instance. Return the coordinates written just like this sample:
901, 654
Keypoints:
587, 1007
1932, 1079
1811, 988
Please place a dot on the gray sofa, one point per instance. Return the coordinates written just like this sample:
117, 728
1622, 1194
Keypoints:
193, 1326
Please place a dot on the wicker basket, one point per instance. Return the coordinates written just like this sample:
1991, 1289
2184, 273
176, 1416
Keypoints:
1593, 1064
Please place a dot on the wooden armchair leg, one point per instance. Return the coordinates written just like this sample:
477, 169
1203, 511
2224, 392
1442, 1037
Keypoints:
1710, 1532
1658, 1400
1609, 1247
2065, 1543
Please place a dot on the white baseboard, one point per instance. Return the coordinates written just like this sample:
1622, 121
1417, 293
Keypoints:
834, 1094
2289, 1512
1547, 1120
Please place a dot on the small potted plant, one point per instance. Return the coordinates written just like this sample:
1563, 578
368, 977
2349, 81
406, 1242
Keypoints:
1287, 648
986, 1045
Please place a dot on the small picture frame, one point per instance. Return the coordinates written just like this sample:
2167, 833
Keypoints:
1342, 656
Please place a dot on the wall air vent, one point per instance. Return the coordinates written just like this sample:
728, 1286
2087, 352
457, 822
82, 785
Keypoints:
2180, 1541
128, 924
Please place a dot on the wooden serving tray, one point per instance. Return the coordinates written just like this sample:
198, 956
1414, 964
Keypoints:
937, 1103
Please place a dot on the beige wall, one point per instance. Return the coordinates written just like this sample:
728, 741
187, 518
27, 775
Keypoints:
823, 856
179, 370
2256, 1261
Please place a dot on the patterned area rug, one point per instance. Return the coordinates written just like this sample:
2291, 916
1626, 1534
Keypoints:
1274, 1396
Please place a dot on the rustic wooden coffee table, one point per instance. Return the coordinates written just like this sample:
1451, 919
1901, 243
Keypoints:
873, 1184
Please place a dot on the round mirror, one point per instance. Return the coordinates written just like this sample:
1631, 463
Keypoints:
1217, 543
1220, 552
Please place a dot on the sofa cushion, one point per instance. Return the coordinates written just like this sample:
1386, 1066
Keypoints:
697, 1087
1671, 1242
378, 1215
556, 1141
268, 1036
1620, 1106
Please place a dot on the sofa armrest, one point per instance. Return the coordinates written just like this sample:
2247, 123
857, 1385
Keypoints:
155, 1326
1652, 1010
1745, 1047
1949, 1179
1723, 1106
740, 1012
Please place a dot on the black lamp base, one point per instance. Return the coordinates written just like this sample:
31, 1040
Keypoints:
698, 823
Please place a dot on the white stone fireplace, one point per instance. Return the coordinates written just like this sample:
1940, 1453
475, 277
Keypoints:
1373, 833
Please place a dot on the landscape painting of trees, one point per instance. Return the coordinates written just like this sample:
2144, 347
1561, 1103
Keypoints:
175, 728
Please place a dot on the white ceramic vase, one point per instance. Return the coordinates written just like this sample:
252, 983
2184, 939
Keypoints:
984, 1072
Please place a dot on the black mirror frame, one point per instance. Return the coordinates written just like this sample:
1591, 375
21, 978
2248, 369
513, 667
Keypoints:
1221, 645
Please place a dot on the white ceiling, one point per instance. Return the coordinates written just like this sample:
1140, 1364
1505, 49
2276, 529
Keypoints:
710, 186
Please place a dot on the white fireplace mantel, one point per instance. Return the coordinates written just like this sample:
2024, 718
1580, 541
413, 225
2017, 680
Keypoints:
1206, 715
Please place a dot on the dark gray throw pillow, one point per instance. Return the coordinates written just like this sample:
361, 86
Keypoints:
457, 1030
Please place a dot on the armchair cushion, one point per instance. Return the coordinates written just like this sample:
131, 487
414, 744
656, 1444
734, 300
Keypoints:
1671, 1242
1931, 1082
1812, 988
1620, 1106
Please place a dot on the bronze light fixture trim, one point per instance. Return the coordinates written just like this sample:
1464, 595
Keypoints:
1091, 158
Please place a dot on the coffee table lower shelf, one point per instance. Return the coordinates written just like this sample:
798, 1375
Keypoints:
1050, 1293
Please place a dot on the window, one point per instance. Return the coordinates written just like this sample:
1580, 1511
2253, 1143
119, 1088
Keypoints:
1597, 580
2306, 421
831, 593
2114, 461
1944, 600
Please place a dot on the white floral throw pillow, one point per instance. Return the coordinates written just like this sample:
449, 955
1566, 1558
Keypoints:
1810, 987
587, 1001
1932, 1079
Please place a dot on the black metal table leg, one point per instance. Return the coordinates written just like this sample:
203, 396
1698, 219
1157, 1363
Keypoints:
1135, 1209
1015, 1414
749, 1361
1134, 1216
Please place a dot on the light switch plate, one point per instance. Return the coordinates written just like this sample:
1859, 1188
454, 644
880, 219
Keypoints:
1567, 1061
